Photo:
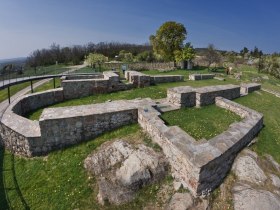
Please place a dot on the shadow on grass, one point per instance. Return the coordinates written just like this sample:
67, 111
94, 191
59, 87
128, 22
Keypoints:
3, 197
5, 202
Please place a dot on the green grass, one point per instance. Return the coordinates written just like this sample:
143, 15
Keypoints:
48, 85
268, 139
59, 181
201, 123
13, 90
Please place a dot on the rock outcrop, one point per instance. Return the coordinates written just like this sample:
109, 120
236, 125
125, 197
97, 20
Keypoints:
247, 198
122, 169
247, 169
253, 190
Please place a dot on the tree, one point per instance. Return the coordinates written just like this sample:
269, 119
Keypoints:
244, 51
95, 58
125, 56
212, 55
186, 54
169, 38
145, 56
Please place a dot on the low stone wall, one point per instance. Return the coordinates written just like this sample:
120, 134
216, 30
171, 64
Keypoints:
142, 66
249, 88
107, 82
201, 76
201, 166
186, 96
166, 78
139, 79
84, 76
183, 96
19, 134
207, 95
61, 127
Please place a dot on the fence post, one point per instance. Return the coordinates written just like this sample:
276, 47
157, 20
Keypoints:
9, 95
31, 86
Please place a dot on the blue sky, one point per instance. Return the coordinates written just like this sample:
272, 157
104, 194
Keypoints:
26, 25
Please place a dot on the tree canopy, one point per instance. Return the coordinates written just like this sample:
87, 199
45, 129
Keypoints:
187, 53
95, 58
168, 39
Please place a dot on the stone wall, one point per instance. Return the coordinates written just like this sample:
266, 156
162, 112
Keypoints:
201, 76
108, 82
186, 96
61, 127
207, 95
19, 134
84, 76
201, 166
139, 79
249, 87
183, 96
166, 78
142, 66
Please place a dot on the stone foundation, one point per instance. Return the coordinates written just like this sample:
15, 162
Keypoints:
199, 166
86, 85
249, 88
186, 96
139, 79
201, 76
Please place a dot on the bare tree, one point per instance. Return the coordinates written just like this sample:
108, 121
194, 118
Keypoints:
212, 55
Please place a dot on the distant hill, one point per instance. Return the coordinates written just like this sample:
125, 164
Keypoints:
202, 51
13, 60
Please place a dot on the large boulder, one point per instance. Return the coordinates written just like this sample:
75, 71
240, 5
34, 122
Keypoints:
247, 198
142, 167
247, 169
123, 169
107, 156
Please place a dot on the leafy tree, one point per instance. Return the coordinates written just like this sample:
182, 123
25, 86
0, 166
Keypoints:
169, 38
95, 58
186, 54
212, 55
125, 56
146, 56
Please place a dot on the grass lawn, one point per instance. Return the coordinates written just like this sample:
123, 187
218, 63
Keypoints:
59, 181
13, 90
269, 138
48, 85
201, 123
